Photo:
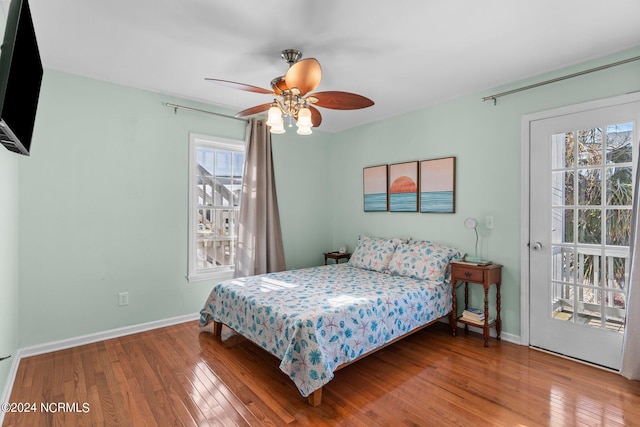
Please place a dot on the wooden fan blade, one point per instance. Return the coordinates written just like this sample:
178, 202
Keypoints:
304, 75
240, 86
254, 110
316, 117
338, 100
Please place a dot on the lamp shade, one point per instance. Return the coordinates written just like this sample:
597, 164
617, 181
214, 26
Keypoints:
278, 127
304, 118
275, 117
470, 223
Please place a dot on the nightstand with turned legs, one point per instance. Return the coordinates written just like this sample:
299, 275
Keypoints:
484, 275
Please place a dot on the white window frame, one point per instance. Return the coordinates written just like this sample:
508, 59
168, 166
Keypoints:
198, 140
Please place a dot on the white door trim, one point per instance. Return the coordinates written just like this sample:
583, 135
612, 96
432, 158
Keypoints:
525, 176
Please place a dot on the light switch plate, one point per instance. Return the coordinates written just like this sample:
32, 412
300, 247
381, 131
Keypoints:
488, 222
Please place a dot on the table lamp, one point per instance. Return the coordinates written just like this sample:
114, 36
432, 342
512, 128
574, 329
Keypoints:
472, 223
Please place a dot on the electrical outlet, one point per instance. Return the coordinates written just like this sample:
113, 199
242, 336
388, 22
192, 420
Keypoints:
488, 222
123, 298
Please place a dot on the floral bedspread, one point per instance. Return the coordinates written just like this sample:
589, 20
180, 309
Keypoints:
318, 318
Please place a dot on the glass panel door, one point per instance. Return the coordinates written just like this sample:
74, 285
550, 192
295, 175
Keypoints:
591, 226
582, 173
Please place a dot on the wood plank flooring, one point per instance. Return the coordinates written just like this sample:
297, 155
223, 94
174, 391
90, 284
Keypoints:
180, 376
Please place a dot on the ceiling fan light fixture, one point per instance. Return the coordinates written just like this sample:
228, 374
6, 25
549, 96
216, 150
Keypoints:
304, 121
292, 99
274, 117
278, 127
304, 118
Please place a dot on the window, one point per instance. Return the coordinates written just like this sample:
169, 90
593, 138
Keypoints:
592, 197
215, 183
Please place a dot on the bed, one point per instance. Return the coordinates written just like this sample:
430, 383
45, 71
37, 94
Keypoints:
319, 319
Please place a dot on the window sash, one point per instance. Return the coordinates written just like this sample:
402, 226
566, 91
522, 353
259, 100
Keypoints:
213, 207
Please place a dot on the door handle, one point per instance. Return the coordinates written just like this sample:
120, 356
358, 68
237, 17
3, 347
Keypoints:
536, 246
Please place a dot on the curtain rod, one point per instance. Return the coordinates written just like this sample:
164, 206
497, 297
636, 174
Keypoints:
182, 107
546, 82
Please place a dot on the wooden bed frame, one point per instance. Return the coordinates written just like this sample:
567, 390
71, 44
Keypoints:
315, 398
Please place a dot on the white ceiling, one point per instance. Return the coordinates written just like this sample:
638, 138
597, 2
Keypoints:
403, 54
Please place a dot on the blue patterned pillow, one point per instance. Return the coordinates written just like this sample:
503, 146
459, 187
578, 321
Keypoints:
373, 253
423, 260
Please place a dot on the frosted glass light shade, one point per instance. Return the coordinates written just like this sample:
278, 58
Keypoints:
275, 117
278, 127
304, 118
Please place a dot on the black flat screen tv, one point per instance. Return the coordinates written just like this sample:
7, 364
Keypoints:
20, 79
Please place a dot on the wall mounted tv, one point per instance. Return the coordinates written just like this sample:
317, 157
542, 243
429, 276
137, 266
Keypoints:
20, 79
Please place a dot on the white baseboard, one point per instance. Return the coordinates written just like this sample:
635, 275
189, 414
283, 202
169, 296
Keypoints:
516, 339
492, 333
105, 335
6, 392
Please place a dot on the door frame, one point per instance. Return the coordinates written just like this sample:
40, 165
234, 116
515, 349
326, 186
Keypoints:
525, 180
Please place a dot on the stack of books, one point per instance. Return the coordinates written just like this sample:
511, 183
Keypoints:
473, 315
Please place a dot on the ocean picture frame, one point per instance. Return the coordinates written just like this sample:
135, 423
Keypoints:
403, 187
374, 180
438, 185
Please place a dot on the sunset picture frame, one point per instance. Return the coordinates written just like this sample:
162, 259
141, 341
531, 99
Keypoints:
375, 188
438, 185
403, 187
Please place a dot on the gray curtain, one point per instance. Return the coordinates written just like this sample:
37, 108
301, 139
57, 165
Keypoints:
259, 248
631, 344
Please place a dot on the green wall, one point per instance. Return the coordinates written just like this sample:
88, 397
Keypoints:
103, 206
485, 139
304, 188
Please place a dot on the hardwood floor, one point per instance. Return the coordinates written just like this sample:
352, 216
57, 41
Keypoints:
180, 376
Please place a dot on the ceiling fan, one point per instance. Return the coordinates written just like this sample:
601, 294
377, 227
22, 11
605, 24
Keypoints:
291, 95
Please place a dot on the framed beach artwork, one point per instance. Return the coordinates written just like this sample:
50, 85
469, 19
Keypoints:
375, 188
403, 187
438, 185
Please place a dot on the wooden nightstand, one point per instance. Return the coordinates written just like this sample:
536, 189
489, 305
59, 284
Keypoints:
484, 275
336, 256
